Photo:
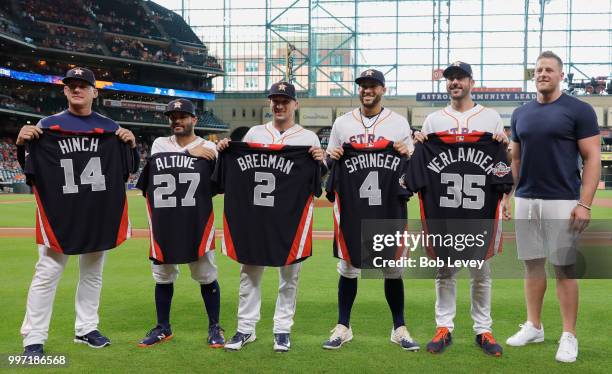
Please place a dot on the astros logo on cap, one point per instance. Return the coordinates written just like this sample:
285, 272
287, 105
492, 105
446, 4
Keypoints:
368, 73
282, 86
78, 71
177, 105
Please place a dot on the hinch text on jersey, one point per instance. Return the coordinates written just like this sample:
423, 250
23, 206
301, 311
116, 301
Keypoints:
264, 160
175, 161
461, 154
80, 144
371, 160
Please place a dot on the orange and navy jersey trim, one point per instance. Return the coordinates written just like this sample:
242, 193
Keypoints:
379, 144
450, 138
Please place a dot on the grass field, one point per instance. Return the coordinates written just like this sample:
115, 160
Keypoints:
127, 312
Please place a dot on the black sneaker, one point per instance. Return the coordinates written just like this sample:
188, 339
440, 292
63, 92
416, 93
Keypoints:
158, 334
239, 340
282, 343
440, 341
216, 338
33, 350
93, 339
488, 344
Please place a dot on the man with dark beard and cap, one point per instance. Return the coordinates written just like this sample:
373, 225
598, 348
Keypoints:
368, 124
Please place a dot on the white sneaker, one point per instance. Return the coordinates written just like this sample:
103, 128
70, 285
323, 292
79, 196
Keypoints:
568, 348
340, 335
402, 337
527, 334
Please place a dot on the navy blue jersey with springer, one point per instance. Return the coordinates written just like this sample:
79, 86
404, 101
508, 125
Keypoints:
367, 183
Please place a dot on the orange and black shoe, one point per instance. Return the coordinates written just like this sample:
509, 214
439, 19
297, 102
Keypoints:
488, 344
158, 334
440, 341
216, 337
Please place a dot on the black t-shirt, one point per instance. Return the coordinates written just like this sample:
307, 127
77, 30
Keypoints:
367, 183
79, 184
268, 202
461, 179
179, 206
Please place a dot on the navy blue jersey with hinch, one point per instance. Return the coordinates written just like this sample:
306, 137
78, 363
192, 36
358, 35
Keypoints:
79, 184
179, 207
367, 183
268, 210
461, 179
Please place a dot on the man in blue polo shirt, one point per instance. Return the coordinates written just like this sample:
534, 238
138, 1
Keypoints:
553, 203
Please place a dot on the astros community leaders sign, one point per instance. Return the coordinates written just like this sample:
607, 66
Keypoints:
479, 96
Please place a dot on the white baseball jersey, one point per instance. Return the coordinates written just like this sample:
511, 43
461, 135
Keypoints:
268, 134
169, 144
478, 118
353, 127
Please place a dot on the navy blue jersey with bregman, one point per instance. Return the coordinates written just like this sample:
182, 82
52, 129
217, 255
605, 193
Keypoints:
461, 180
178, 191
367, 183
79, 184
269, 202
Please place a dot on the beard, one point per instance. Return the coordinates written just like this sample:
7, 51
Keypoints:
464, 92
375, 101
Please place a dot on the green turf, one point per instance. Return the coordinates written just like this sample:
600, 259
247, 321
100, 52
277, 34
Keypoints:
19, 210
127, 312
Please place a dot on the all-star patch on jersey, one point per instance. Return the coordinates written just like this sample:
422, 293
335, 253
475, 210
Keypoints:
179, 207
79, 184
268, 204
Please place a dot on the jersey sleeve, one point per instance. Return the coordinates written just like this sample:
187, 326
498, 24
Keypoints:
143, 179
248, 137
330, 185
217, 177
416, 172
334, 140
402, 188
501, 178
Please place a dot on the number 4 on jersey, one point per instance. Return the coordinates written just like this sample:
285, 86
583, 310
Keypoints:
92, 175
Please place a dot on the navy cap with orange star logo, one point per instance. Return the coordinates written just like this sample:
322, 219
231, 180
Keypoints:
282, 89
372, 75
180, 105
460, 67
82, 74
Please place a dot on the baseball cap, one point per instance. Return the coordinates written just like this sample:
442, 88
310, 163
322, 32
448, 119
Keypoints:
180, 105
459, 67
282, 89
371, 74
80, 74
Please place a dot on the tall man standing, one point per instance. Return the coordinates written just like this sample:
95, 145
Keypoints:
463, 116
548, 135
368, 124
80, 92
182, 117
281, 130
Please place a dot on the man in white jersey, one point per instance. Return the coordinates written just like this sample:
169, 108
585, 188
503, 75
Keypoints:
368, 124
463, 116
281, 130
182, 118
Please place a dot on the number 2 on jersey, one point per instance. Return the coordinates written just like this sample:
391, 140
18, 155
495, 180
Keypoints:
261, 189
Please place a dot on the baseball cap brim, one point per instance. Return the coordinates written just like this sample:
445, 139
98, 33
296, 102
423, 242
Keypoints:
363, 79
168, 112
455, 69
281, 94
68, 79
